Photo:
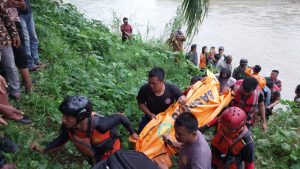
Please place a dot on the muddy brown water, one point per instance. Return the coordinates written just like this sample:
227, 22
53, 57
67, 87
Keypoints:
266, 32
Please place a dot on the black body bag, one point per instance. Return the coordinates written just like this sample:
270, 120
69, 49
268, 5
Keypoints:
126, 159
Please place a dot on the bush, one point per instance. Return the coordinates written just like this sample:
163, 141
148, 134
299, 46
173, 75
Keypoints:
279, 147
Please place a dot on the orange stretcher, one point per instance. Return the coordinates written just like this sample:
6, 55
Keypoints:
203, 100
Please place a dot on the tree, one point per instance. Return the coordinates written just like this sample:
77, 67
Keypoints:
194, 12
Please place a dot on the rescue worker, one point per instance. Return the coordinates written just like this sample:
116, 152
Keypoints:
255, 74
92, 134
249, 97
156, 96
239, 72
195, 79
233, 144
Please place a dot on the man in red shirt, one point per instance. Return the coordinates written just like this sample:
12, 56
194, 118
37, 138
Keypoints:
126, 30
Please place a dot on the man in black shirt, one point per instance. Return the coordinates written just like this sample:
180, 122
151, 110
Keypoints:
157, 96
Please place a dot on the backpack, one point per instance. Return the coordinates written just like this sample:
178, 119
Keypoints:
126, 159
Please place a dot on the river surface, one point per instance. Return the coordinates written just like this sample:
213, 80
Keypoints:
266, 32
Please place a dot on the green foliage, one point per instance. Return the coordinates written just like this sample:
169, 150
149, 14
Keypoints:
84, 58
279, 147
194, 12
174, 24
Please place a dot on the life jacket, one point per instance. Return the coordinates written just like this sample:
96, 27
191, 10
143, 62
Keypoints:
86, 141
250, 104
226, 153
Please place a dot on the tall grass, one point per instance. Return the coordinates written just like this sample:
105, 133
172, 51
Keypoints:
84, 58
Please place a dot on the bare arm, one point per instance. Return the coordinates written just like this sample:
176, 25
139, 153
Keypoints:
3, 85
145, 110
273, 104
262, 112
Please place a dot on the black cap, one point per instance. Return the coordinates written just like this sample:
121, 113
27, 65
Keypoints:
243, 61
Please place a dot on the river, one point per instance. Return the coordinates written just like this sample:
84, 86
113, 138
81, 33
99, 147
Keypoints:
266, 32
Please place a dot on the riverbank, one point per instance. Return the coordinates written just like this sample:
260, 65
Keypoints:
256, 30
85, 58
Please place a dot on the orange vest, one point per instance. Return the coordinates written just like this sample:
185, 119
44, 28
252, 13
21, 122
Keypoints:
226, 152
84, 141
250, 104
202, 61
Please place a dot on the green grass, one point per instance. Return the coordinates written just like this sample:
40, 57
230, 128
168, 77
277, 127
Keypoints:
85, 58
279, 148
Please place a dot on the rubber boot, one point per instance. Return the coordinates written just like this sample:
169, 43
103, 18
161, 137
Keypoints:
26, 79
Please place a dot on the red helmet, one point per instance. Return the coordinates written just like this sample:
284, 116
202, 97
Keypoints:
233, 118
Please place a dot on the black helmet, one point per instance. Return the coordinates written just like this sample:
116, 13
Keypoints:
79, 107
243, 61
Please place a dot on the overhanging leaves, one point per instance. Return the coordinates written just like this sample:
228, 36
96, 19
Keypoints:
194, 12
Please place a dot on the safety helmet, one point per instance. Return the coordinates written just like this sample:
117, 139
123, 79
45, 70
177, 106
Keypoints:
261, 82
233, 118
79, 107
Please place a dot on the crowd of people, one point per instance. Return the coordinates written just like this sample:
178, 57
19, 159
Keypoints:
270, 87
254, 97
18, 53
95, 135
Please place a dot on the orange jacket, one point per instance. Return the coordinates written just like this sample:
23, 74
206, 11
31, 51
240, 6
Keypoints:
85, 140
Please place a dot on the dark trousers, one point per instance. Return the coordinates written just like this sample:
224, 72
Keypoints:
2, 159
145, 120
20, 53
